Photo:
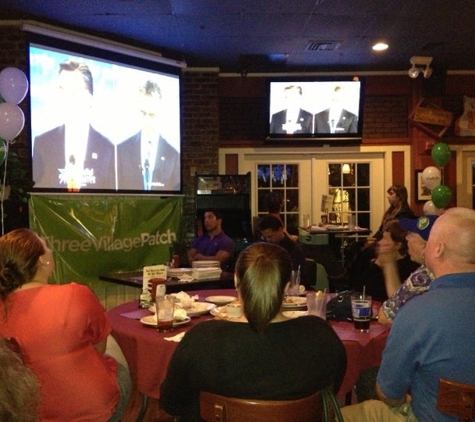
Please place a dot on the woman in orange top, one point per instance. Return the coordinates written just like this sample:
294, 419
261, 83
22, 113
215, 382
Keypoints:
62, 332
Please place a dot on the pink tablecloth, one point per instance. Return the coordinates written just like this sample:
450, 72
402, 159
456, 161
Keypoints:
148, 353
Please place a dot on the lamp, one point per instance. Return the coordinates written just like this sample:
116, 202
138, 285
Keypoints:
346, 169
417, 63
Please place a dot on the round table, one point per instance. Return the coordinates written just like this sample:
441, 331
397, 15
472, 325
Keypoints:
148, 353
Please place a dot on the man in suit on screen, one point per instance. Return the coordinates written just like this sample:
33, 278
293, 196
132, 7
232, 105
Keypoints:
146, 161
336, 119
74, 155
293, 119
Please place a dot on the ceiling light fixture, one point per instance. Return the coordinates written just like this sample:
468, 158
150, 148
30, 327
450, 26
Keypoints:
418, 63
380, 46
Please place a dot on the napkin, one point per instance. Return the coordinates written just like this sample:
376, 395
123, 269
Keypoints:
184, 299
176, 338
179, 314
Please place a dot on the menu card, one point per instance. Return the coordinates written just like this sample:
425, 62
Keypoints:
149, 272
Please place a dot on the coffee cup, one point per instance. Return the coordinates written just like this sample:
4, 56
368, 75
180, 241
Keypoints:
234, 310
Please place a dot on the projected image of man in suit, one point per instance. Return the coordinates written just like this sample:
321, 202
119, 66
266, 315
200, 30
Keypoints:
146, 161
293, 119
74, 155
336, 119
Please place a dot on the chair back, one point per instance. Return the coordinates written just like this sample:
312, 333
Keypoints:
217, 408
457, 399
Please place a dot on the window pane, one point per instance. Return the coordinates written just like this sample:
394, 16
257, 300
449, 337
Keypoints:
292, 200
263, 176
363, 199
292, 174
362, 173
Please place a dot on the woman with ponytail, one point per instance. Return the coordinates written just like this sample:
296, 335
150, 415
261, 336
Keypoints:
261, 355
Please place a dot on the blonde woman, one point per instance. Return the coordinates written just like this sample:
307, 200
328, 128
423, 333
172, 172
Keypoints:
263, 355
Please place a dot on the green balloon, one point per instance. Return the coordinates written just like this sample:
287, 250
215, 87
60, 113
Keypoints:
3, 151
441, 154
441, 196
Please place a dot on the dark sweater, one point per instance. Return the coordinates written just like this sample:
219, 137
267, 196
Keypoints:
373, 278
289, 360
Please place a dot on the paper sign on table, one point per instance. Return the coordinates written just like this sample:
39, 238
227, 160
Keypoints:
153, 271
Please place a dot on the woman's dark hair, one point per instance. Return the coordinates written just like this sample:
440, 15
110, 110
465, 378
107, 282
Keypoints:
398, 234
393, 210
262, 272
20, 250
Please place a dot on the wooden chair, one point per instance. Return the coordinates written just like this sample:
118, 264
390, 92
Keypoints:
216, 408
457, 399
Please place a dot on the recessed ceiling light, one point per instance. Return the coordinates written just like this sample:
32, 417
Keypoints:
380, 46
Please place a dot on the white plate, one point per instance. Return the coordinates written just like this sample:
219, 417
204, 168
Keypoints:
176, 272
206, 264
200, 308
294, 314
294, 301
220, 300
151, 320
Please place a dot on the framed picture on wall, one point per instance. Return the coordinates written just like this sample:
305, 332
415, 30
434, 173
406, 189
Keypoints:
423, 193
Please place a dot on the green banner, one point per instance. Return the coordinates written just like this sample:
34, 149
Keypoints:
92, 235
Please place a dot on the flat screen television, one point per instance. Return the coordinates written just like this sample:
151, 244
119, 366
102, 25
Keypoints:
102, 121
322, 109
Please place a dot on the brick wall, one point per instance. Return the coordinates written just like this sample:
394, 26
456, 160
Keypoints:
200, 137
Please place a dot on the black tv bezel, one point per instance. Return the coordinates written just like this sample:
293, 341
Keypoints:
104, 55
345, 139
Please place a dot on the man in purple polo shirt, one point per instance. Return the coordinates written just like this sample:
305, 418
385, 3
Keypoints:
214, 245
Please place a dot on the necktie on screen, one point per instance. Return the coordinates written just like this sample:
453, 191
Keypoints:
146, 175
332, 125
73, 183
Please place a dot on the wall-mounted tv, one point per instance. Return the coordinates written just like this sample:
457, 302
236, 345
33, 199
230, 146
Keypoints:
102, 121
323, 109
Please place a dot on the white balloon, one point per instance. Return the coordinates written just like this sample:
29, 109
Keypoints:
431, 177
13, 85
12, 121
430, 209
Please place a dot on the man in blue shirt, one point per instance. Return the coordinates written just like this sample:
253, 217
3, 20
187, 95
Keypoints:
431, 336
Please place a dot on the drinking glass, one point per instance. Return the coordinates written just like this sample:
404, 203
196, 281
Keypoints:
165, 307
361, 309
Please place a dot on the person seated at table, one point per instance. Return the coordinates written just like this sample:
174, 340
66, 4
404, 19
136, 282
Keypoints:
63, 335
262, 355
363, 252
272, 231
418, 281
214, 245
398, 294
429, 337
394, 242
19, 388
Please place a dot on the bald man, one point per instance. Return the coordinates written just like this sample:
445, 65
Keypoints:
432, 335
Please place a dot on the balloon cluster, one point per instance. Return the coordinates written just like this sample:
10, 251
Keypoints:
432, 179
13, 89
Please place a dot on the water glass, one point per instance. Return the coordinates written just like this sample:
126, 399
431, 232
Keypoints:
165, 307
